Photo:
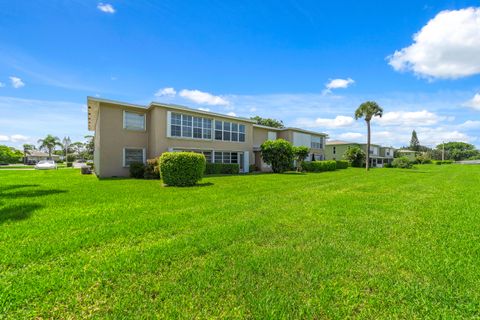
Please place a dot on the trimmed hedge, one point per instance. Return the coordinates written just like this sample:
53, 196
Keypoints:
439, 162
342, 164
222, 168
137, 169
319, 166
402, 162
182, 169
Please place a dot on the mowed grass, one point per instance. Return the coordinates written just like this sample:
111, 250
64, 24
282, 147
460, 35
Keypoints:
388, 244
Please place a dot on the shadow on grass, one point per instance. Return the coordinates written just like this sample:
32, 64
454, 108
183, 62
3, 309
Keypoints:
31, 193
17, 186
17, 212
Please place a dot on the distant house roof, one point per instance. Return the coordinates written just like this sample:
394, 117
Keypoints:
37, 153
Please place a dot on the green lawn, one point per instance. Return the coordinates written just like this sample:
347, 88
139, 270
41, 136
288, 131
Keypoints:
388, 244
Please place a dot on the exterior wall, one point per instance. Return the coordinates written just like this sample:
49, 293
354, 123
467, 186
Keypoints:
114, 138
159, 141
339, 150
259, 136
97, 146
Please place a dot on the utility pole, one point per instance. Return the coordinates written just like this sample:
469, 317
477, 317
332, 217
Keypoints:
443, 150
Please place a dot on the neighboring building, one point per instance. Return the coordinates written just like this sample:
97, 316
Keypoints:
411, 155
33, 156
335, 149
126, 133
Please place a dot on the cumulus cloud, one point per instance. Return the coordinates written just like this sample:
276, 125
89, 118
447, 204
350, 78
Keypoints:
232, 114
166, 92
2, 84
337, 122
470, 124
204, 109
474, 103
447, 47
14, 138
410, 118
338, 84
350, 136
200, 97
106, 7
16, 82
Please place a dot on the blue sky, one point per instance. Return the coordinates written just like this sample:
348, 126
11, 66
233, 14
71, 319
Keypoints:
308, 63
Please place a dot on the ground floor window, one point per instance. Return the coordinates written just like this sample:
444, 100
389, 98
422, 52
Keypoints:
131, 155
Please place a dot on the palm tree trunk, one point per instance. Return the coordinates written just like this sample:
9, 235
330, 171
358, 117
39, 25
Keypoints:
367, 166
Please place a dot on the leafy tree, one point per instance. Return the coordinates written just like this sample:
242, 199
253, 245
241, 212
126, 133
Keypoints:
49, 143
355, 155
268, 122
9, 154
414, 143
300, 153
458, 150
26, 149
368, 110
89, 148
278, 154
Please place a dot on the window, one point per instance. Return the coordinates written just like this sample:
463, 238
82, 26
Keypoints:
229, 131
133, 121
226, 157
317, 143
182, 125
133, 155
334, 150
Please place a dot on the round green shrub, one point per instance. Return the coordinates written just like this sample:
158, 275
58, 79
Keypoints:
137, 170
402, 162
182, 169
342, 164
278, 154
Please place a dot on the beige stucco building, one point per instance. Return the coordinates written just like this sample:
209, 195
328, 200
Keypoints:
126, 133
379, 156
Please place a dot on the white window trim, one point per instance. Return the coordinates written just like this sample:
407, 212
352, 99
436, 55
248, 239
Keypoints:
144, 155
137, 130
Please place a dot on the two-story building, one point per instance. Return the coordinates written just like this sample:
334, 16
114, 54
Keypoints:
126, 133
379, 156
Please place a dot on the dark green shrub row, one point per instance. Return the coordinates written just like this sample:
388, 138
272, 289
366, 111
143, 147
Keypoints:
342, 164
222, 168
402, 162
69, 164
182, 169
319, 166
440, 162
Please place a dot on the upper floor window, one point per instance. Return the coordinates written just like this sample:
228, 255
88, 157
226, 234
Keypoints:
134, 121
316, 142
229, 131
183, 125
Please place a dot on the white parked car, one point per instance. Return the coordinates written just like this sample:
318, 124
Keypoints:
46, 165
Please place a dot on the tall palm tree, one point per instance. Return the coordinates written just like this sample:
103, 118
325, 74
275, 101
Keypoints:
368, 110
49, 143
26, 149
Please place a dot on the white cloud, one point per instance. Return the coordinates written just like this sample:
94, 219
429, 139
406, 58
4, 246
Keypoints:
106, 7
337, 122
203, 97
352, 136
339, 83
409, 118
447, 47
14, 138
2, 84
470, 124
232, 114
474, 102
204, 109
166, 92
16, 82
